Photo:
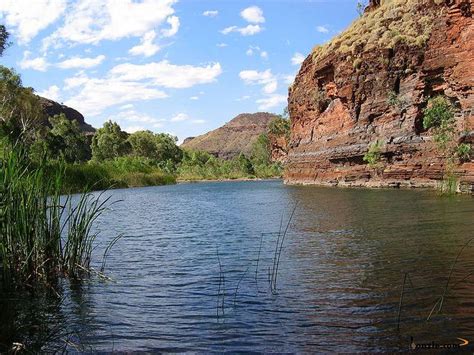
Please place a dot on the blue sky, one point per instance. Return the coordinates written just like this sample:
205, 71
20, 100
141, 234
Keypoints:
181, 67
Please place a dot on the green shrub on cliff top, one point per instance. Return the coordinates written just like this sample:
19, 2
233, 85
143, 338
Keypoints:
392, 22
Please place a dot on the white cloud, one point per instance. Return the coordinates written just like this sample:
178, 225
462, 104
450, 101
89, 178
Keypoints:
255, 50
146, 47
126, 83
265, 78
194, 98
271, 101
167, 75
38, 63
297, 59
91, 21
253, 14
210, 13
51, 93
180, 117
173, 21
27, 18
322, 29
198, 121
126, 107
250, 30
78, 62
91, 96
221, 45
135, 117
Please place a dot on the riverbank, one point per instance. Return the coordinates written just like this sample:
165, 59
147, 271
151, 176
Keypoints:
184, 181
116, 175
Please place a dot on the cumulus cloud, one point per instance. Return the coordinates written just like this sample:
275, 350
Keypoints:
271, 101
38, 63
51, 93
253, 14
180, 117
265, 78
168, 75
210, 13
322, 29
173, 21
27, 18
249, 30
91, 21
92, 96
221, 45
255, 49
83, 63
131, 115
297, 59
146, 47
126, 83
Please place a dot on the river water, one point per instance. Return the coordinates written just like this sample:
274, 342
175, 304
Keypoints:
192, 272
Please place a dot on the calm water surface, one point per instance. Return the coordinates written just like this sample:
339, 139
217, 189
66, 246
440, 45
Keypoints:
339, 282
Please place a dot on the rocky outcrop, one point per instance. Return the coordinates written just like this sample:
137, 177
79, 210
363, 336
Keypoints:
235, 137
372, 83
52, 108
278, 148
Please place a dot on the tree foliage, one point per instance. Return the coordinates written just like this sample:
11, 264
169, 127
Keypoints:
110, 142
4, 44
280, 126
373, 155
261, 150
160, 147
21, 114
65, 140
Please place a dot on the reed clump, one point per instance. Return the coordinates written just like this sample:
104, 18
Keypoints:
42, 233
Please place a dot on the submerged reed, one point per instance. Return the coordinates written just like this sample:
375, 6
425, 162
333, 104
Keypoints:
42, 234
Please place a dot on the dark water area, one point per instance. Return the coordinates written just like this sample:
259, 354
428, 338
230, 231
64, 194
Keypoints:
185, 276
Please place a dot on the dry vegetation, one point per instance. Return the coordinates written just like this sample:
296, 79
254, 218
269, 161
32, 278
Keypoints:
384, 27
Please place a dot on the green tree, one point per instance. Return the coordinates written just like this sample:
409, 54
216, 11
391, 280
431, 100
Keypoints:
280, 126
21, 114
159, 147
3, 39
66, 140
167, 148
260, 154
110, 142
143, 144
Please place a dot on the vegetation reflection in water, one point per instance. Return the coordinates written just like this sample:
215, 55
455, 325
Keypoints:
340, 279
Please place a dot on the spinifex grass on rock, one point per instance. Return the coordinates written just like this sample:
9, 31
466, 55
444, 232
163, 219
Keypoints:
42, 234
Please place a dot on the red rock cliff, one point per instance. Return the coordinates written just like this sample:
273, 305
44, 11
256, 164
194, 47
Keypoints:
340, 101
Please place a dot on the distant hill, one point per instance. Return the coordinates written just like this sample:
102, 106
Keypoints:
235, 137
51, 108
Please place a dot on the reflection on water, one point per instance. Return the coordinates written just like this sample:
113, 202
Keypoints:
339, 281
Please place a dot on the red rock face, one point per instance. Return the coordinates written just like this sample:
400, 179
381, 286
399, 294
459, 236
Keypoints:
339, 107
279, 148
